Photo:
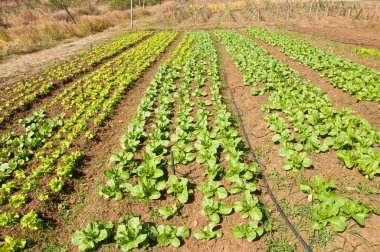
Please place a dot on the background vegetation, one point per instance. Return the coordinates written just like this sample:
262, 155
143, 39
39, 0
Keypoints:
31, 25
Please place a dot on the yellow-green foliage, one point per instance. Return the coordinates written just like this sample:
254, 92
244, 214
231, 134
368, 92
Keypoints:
4, 36
369, 51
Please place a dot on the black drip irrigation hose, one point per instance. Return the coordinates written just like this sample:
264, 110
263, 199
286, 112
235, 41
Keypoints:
239, 87
175, 171
267, 187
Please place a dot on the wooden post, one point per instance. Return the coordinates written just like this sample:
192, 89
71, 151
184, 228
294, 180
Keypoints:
310, 8
131, 14
64, 7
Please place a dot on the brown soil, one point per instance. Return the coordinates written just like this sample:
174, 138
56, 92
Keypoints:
253, 120
339, 48
86, 203
12, 122
285, 185
363, 36
365, 109
45, 100
18, 65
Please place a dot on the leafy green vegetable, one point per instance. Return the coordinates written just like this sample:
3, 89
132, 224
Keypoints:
212, 188
31, 221
56, 184
213, 209
131, 234
179, 188
345, 74
168, 212
250, 231
168, 235
11, 244
8, 218
94, 234
249, 207
310, 113
331, 208
18, 200
208, 232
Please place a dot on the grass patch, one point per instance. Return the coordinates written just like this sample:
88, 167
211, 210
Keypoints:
4, 35
56, 247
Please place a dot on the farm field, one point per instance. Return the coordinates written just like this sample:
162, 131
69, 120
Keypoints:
196, 140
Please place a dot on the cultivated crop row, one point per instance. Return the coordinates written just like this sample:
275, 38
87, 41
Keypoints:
353, 78
27, 90
319, 126
303, 119
190, 120
36, 165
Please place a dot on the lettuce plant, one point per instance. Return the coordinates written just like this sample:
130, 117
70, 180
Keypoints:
31, 221
169, 235
11, 244
249, 207
329, 208
168, 212
131, 233
56, 184
208, 232
251, 231
213, 209
93, 235
8, 218
18, 200
179, 188
212, 188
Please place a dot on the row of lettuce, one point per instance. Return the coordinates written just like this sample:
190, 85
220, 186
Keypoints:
181, 112
306, 110
304, 121
351, 77
203, 132
27, 90
37, 164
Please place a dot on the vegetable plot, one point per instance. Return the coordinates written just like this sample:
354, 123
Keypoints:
309, 112
353, 78
189, 118
37, 166
329, 208
26, 91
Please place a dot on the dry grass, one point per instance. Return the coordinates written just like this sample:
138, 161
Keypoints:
210, 13
27, 26
34, 25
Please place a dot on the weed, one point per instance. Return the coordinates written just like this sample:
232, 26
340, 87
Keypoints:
4, 36
56, 247
64, 212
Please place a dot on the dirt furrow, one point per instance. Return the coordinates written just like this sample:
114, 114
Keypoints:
285, 185
339, 48
365, 109
40, 102
85, 203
